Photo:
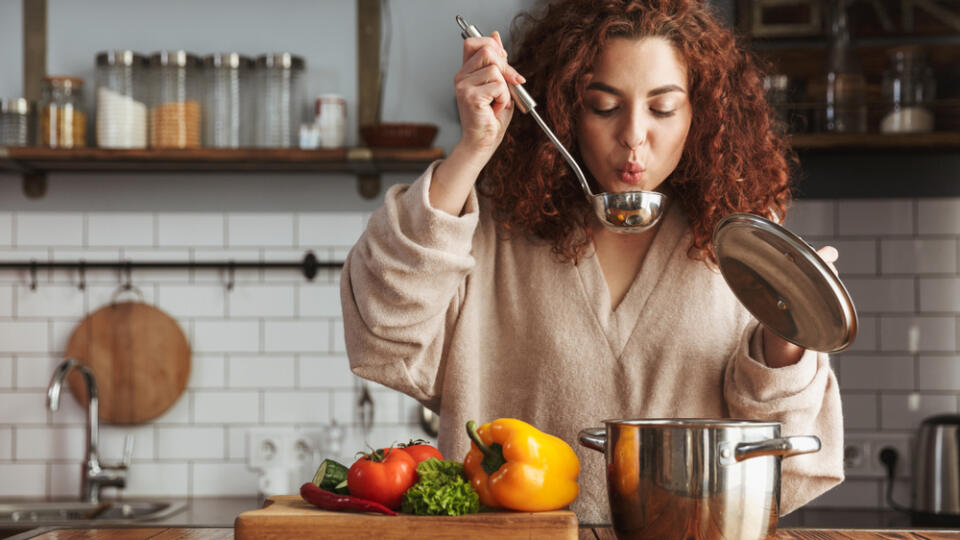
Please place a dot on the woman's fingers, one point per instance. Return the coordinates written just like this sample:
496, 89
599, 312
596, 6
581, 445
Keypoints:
484, 51
829, 254
485, 87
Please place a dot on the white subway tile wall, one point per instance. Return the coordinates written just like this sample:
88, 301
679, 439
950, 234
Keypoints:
899, 260
270, 352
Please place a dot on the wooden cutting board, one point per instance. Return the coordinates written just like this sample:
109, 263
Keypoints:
139, 357
288, 516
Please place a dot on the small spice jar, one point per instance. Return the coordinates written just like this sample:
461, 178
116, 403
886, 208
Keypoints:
175, 112
908, 89
331, 120
16, 122
62, 119
121, 100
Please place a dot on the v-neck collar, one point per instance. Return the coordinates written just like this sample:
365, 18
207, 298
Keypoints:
618, 325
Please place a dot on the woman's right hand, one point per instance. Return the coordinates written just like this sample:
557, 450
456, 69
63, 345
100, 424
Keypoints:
483, 97
485, 106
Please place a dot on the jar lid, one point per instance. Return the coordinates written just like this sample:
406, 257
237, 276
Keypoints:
281, 60
174, 58
65, 81
227, 60
15, 105
120, 57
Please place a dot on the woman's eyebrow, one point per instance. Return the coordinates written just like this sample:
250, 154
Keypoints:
666, 90
603, 87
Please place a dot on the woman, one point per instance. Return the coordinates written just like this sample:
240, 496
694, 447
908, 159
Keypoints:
488, 289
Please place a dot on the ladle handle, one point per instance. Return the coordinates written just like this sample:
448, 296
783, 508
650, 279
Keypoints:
523, 100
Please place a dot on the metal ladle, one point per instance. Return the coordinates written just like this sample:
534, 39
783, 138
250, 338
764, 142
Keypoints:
625, 212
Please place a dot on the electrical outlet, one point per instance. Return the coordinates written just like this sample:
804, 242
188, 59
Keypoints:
279, 447
861, 454
266, 448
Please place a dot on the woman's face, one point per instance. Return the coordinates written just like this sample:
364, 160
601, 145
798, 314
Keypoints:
636, 114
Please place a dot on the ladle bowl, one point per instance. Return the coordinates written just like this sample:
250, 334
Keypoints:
629, 211
626, 212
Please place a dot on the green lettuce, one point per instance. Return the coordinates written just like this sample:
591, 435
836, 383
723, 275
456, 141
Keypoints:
441, 490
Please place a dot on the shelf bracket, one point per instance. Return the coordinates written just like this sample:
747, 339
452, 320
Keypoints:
34, 185
369, 79
368, 185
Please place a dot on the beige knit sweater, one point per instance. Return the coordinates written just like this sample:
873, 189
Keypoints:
475, 327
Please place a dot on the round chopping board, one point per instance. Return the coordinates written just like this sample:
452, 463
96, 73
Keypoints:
139, 356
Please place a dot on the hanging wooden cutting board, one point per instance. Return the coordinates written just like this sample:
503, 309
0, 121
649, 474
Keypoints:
139, 356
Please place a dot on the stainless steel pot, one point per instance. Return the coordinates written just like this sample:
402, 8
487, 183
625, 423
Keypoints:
694, 478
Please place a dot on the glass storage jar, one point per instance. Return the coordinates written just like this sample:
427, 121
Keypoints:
845, 87
62, 118
16, 122
908, 90
175, 112
121, 116
228, 101
280, 103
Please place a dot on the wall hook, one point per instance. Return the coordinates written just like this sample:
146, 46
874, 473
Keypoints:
82, 272
231, 271
33, 275
128, 273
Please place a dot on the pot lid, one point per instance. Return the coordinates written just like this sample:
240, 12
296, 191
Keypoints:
782, 281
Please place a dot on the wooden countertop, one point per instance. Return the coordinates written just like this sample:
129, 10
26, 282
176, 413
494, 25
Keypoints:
585, 534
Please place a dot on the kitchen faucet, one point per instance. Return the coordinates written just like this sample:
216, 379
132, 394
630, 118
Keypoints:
95, 475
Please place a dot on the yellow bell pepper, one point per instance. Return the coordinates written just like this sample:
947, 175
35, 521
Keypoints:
512, 464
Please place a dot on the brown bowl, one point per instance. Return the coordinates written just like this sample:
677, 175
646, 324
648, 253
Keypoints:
399, 135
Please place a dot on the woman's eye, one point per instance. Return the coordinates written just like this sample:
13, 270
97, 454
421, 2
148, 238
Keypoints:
600, 111
664, 109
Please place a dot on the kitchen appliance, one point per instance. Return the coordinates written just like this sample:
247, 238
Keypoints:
288, 516
624, 212
936, 473
694, 478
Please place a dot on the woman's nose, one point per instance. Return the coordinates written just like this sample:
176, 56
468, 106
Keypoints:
634, 133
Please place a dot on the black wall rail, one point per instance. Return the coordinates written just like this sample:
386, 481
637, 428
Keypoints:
309, 266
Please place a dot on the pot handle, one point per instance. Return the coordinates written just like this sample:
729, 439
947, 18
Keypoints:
784, 447
594, 438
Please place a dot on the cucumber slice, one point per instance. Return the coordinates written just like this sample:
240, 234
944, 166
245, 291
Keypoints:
330, 474
342, 488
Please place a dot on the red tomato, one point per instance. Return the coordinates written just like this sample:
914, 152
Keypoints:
382, 476
421, 450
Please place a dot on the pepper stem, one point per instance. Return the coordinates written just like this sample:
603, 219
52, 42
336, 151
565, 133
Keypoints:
475, 437
492, 454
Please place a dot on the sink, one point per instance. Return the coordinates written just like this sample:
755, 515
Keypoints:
53, 512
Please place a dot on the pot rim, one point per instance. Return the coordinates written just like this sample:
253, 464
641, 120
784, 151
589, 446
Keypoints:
692, 423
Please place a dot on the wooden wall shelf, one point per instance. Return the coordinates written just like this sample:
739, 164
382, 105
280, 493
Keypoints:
34, 163
346, 160
826, 142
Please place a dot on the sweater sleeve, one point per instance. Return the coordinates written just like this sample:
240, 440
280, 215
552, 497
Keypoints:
399, 289
805, 398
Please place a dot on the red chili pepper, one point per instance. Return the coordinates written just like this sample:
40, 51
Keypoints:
329, 500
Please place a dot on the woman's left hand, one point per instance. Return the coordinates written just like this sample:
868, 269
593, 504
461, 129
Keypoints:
779, 352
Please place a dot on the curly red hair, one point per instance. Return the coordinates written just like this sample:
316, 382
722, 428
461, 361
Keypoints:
734, 159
